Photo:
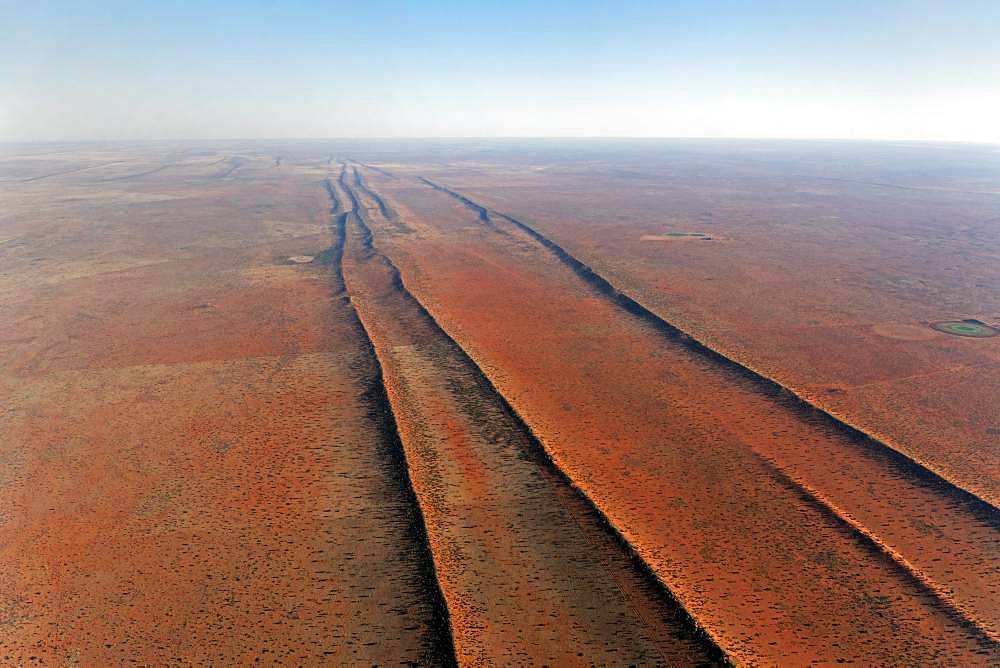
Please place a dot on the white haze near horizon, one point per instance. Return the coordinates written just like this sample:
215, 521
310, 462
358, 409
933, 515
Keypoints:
115, 70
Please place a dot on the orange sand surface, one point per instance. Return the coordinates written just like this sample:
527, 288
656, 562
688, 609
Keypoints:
825, 261
528, 572
190, 470
561, 402
689, 463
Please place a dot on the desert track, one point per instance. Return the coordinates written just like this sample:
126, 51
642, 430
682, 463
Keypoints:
895, 554
528, 570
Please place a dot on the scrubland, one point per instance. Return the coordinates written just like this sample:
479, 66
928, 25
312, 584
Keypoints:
550, 402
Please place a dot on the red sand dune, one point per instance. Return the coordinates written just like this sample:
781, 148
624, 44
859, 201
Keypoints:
527, 570
681, 456
190, 470
442, 406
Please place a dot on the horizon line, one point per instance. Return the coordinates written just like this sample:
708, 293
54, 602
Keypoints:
459, 138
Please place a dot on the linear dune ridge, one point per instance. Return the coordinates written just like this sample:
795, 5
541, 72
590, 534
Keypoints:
479, 475
887, 553
325, 403
970, 523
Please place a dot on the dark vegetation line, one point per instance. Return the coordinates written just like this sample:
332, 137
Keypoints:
880, 551
785, 396
809, 412
542, 455
71, 171
234, 164
481, 211
442, 652
342, 180
336, 206
226, 173
386, 211
138, 174
381, 171
897, 186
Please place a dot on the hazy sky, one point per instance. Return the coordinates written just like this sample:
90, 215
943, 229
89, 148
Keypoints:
132, 69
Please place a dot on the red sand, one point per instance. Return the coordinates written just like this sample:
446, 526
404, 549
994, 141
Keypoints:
682, 458
190, 471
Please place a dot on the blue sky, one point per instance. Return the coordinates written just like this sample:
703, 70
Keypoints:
907, 69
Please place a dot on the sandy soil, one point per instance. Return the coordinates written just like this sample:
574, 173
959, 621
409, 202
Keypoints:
604, 412
190, 470
528, 571
754, 536
825, 254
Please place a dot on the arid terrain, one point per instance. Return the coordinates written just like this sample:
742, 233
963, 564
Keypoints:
514, 402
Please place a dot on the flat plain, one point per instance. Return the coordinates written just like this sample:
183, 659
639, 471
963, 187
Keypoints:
559, 402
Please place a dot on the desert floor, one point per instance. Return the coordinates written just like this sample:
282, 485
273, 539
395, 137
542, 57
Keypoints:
546, 402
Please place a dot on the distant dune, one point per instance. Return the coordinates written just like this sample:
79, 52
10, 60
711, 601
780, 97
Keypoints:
556, 402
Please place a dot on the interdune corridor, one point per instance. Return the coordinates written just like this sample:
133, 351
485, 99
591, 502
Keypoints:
527, 570
686, 459
358, 403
